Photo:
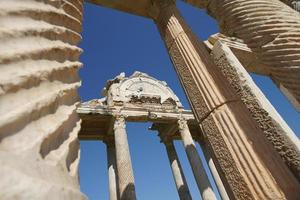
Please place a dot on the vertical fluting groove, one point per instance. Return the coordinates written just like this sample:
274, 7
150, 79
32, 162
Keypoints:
271, 29
39, 63
247, 159
270, 122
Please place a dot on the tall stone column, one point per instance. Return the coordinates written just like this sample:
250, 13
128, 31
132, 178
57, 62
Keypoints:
271, 32
251, 167
181, 185
279, 134
39, 63
195, 162
112, 169
125, 172
214, 172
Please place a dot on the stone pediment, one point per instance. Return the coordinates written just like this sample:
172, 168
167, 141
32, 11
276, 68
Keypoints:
138, 90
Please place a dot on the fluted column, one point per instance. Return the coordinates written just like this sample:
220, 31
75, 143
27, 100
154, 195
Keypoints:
271, 30
112, 169
195, 162
125, 172
252, 169
181, 185
39, 63
278, 133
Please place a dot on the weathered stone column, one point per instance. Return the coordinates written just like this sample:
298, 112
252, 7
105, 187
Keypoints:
279, 134
181, 185
112, 169
214, 172
271, 30
251, 167
195, 162
125, 172
39, 63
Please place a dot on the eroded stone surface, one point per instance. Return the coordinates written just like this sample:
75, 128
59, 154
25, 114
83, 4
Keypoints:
271, 31
274, 127
249, 165
39, 150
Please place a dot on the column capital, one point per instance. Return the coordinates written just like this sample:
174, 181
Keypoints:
119, 122
182, 124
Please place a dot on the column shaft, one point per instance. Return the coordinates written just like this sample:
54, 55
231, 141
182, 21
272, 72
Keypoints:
195, 162
39, 63
181, 185
251, 167
276, 130
215, 173
125, 172
112, 171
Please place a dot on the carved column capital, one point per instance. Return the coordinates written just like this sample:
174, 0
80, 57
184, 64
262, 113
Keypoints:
182, 124
119, 122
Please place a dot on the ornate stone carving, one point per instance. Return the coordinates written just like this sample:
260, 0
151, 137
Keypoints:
140, 90
182, 124
273, 126
211, 95
271, 33
119, 122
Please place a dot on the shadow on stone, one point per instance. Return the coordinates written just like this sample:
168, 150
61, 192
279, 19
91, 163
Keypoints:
129, 193
184, 193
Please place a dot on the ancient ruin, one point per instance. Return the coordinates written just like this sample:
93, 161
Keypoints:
251, 151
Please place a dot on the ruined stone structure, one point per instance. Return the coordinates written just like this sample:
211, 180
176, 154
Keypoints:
141, 98
251, 151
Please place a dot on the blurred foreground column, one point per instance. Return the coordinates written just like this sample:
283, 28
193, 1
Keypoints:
39, 62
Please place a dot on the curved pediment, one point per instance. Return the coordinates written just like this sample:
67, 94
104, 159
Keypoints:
140, 89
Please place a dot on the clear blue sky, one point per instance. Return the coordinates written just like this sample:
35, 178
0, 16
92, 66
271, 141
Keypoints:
115, 42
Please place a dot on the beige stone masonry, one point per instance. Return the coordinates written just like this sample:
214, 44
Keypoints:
125, 173
271, 30
214, 172
112, 169
39, 61
270, 122
251, 168
200, 175
180, 182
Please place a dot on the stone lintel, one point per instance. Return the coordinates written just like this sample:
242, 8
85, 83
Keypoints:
137, 114
98, 123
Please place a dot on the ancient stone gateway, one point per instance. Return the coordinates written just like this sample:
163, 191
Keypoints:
141, 98
251, 151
